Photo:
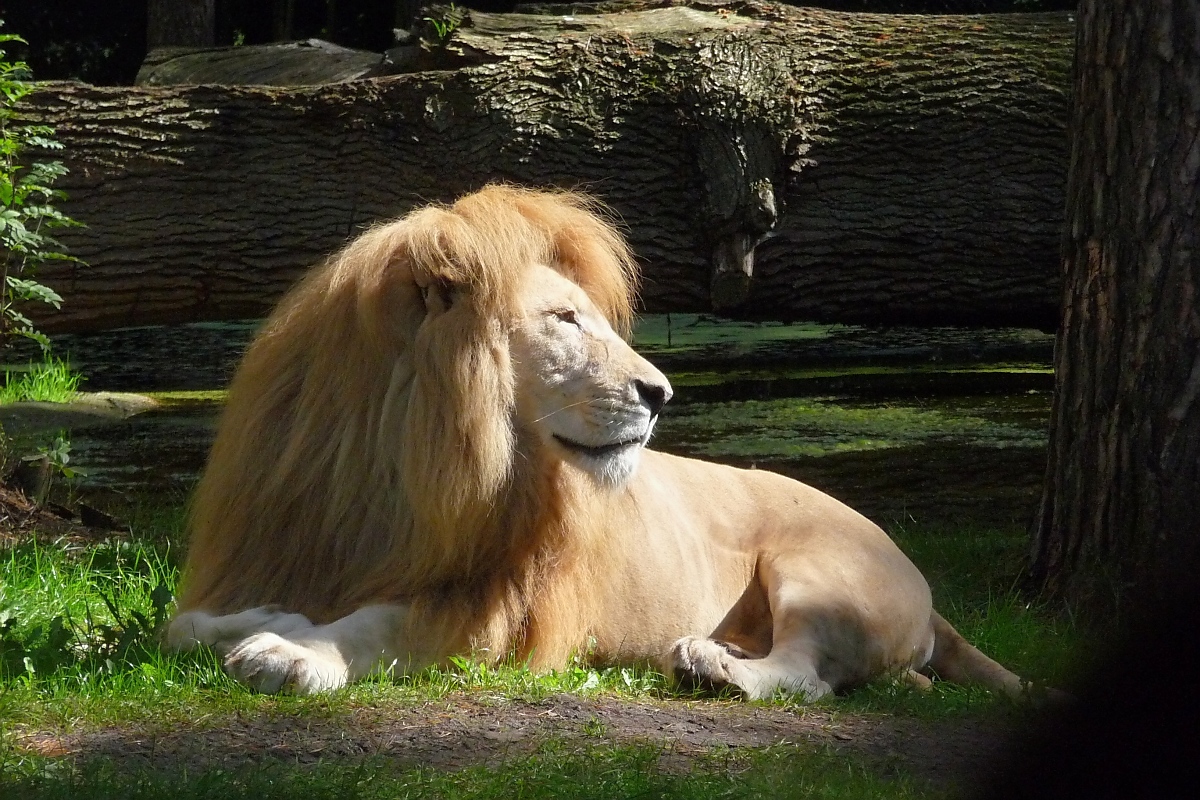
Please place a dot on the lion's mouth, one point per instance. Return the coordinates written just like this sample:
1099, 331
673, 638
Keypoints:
597, 451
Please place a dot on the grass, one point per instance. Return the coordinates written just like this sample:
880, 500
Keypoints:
791, 427
89, 610
557, 770
51, 381
78, 650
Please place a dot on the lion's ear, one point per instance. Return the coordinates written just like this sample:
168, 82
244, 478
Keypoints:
438, 296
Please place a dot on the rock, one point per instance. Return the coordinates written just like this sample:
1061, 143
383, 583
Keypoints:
86, 410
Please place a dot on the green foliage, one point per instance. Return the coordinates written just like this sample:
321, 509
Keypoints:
51, 381
58, 453
99, 614
27, 212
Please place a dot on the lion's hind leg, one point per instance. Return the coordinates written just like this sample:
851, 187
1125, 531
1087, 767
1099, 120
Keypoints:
746, 651
712, 664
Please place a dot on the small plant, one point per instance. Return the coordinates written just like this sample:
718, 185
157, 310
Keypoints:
52, 381
58, 453
445, 25
27, 212
36, 473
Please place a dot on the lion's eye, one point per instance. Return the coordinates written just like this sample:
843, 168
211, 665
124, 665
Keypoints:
567, 315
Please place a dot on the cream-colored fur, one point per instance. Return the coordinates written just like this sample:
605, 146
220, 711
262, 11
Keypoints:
437, 446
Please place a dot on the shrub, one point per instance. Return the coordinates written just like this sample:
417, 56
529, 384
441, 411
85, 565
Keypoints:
27, 213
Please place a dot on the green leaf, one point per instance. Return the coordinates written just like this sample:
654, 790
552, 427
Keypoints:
44, 142
31, 333
24, 289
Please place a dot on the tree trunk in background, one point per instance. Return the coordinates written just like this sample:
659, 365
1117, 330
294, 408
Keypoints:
769, 162
180, 23
1122, 499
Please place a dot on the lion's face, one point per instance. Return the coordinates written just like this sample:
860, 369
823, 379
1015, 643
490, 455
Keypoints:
581, 389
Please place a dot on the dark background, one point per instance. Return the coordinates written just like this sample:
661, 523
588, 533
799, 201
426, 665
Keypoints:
104, 42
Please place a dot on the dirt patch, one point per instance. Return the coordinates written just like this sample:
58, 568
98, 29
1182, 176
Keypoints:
465, 731
22, 521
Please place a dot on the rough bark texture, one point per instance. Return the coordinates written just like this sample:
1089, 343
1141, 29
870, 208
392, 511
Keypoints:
768, 161
180, 23
1122, 498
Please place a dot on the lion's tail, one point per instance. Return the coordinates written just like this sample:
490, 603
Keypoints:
958, 661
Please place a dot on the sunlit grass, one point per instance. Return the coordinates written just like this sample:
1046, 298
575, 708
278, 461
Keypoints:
103, 667
51, 381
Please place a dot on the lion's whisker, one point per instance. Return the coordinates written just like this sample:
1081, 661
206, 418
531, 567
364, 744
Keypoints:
564, 408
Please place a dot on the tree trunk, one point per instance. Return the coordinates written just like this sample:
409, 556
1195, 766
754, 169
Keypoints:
1122, 498
768, 161
180, 23
312, 61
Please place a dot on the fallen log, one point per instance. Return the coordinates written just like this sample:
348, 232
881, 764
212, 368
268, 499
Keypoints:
305, 63
767, 161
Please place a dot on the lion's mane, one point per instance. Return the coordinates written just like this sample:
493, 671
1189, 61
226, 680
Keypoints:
367, 450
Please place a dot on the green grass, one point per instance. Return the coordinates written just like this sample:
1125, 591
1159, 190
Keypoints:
85, 619
792, 427
52, 381
557, 770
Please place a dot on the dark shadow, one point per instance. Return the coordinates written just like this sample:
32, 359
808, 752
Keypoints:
1132, 733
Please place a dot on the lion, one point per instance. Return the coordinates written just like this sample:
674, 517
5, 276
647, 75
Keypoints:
437, 446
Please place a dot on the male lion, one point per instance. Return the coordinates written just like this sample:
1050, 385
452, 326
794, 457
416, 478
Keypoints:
436, 445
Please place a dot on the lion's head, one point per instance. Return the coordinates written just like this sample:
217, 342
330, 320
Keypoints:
581, 390
411, 416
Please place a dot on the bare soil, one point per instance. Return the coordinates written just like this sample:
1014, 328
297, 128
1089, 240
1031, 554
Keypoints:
23, 521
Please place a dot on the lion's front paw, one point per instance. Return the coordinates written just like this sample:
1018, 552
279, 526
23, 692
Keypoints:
189, 631
268, 663
222, 631
699, 664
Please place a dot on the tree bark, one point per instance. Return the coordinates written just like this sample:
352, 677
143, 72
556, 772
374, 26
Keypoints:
308, 62
769, 162
1122, 500
180, 23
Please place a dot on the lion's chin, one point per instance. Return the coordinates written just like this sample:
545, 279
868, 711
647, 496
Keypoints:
611, 465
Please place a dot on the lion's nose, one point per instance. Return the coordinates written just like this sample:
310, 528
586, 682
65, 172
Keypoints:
654, 395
